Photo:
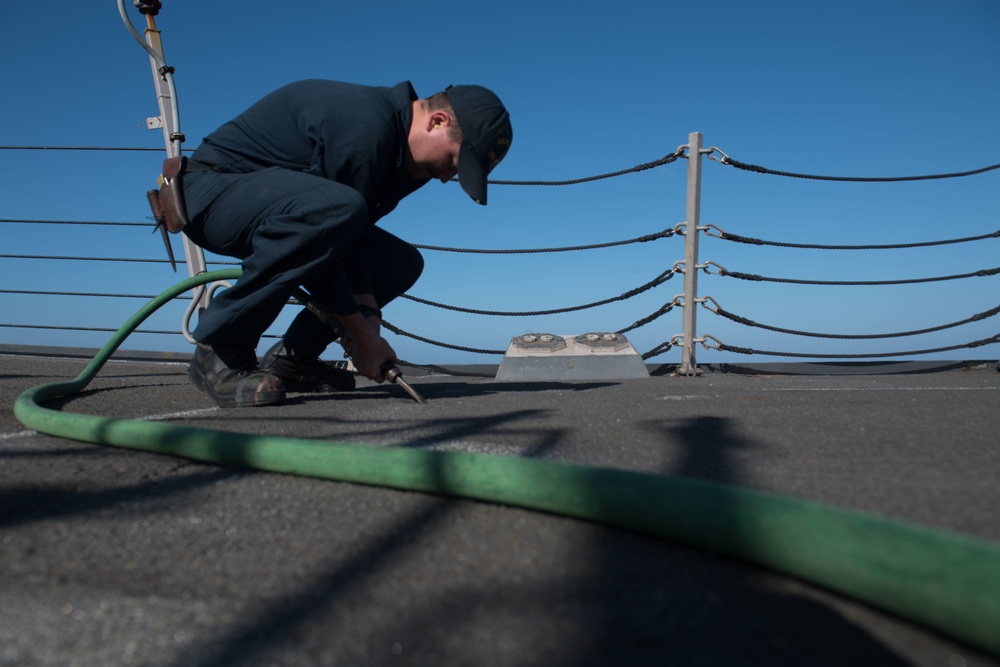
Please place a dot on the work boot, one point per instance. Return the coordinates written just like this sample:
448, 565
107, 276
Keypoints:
230, 375
305, 375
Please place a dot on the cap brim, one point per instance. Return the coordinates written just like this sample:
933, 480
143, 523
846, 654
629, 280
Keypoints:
471, 174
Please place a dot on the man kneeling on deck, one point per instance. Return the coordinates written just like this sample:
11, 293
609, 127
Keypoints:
293, 187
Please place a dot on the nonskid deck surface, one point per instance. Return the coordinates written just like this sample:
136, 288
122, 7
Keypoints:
110, 554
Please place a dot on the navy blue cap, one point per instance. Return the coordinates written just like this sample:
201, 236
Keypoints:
487, 135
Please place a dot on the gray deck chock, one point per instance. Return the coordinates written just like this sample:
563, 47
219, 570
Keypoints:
589, 356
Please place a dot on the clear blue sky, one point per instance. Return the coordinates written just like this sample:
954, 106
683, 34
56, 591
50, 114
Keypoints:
851, 88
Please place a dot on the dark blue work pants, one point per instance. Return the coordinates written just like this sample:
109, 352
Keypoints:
291, 229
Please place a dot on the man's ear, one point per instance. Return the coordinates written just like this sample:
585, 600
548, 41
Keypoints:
438, 119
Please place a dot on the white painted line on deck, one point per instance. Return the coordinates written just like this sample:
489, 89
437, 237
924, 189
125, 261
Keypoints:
178, 415
16, 434
880, 389
170, 415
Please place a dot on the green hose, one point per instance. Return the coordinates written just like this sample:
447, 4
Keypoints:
945, 581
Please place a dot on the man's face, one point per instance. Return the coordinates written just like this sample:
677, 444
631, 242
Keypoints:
433, 153
436, 158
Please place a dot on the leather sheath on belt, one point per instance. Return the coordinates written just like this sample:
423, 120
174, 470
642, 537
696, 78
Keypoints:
167, 203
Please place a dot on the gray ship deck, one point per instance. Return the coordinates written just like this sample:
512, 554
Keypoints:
112, 555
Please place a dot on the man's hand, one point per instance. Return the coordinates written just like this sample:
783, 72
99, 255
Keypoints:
370, 360
368, 351
347, 342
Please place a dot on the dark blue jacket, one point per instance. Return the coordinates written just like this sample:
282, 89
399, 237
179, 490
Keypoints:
349, 133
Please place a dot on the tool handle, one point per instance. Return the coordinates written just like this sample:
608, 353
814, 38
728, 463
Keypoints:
391, 371
393, 374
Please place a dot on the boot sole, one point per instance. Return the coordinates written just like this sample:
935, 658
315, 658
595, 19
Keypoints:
296, 387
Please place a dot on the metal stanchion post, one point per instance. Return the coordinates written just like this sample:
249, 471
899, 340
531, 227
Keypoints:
692, 215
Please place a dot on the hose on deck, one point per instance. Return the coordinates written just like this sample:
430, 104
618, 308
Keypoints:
945, 581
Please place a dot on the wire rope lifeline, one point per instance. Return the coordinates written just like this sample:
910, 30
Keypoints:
52, 327
106, 295
722, 234
645, 238
659, 349
400, 332
134, 260
655, 282
794, 281
722, 347
666, 159
719, 310
864, 179
96, 223
672, 157
84, 148
666, 233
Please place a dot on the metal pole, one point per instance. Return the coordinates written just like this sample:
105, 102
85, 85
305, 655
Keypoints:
171, 132
167, 120
691, 233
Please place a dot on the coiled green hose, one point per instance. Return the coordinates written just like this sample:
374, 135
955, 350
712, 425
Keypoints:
945, 581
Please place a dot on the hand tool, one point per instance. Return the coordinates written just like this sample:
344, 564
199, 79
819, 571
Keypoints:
393, 374
161, 223
389, 369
